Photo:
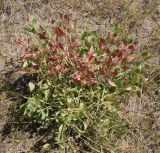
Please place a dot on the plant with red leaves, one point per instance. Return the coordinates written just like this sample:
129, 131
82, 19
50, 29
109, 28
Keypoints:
79, 78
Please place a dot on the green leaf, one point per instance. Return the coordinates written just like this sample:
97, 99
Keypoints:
145, 55
47, 93
30, 29
139, 69
23, 107
110, 97
33, 26
34, 22
31, 86
25, 64
85, 125
45, 86
132, 88
111, 83
127, 38
112, 108
141, 79
88, 45
44, 115
81, 106
46, 146
117, 30
120, 74
89, 33
61, 128
59, 134
69, 100
44, 42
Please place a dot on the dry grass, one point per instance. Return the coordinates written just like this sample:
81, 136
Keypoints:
139, 17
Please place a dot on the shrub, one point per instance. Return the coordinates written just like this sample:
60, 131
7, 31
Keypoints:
79, 80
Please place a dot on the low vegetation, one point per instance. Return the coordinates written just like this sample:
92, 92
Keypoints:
79, 79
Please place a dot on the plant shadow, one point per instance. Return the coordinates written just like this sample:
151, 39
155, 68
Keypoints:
16, 90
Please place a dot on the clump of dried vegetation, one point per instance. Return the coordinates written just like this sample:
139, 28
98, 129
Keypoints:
20, 134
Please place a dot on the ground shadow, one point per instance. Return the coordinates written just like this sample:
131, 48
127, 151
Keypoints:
16, 119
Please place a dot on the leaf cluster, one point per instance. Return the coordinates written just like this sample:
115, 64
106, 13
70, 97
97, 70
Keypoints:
80, 78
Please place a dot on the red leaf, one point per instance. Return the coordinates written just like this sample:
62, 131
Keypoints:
98, 61
125, 43
72, 46
34, 64
135, 42
59, 67
35, 55
61, 16
77, 76
59, 32
107, 50
42, 36
113, 71
21, 72
60, 45
109, 61
28, 56
114, 35
22, 42
110, 34
67, 16
118, 54
42, 50
102, 44
89, 55
53, 46
111, 83
18, 41
101, 40
130, 58
125, 68
56, 46
24, 52
50, 72
101, 72
91, 74
71, 55
52, 59
51, 20
131, 47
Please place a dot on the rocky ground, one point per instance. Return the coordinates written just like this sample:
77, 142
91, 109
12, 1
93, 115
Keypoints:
140, 17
